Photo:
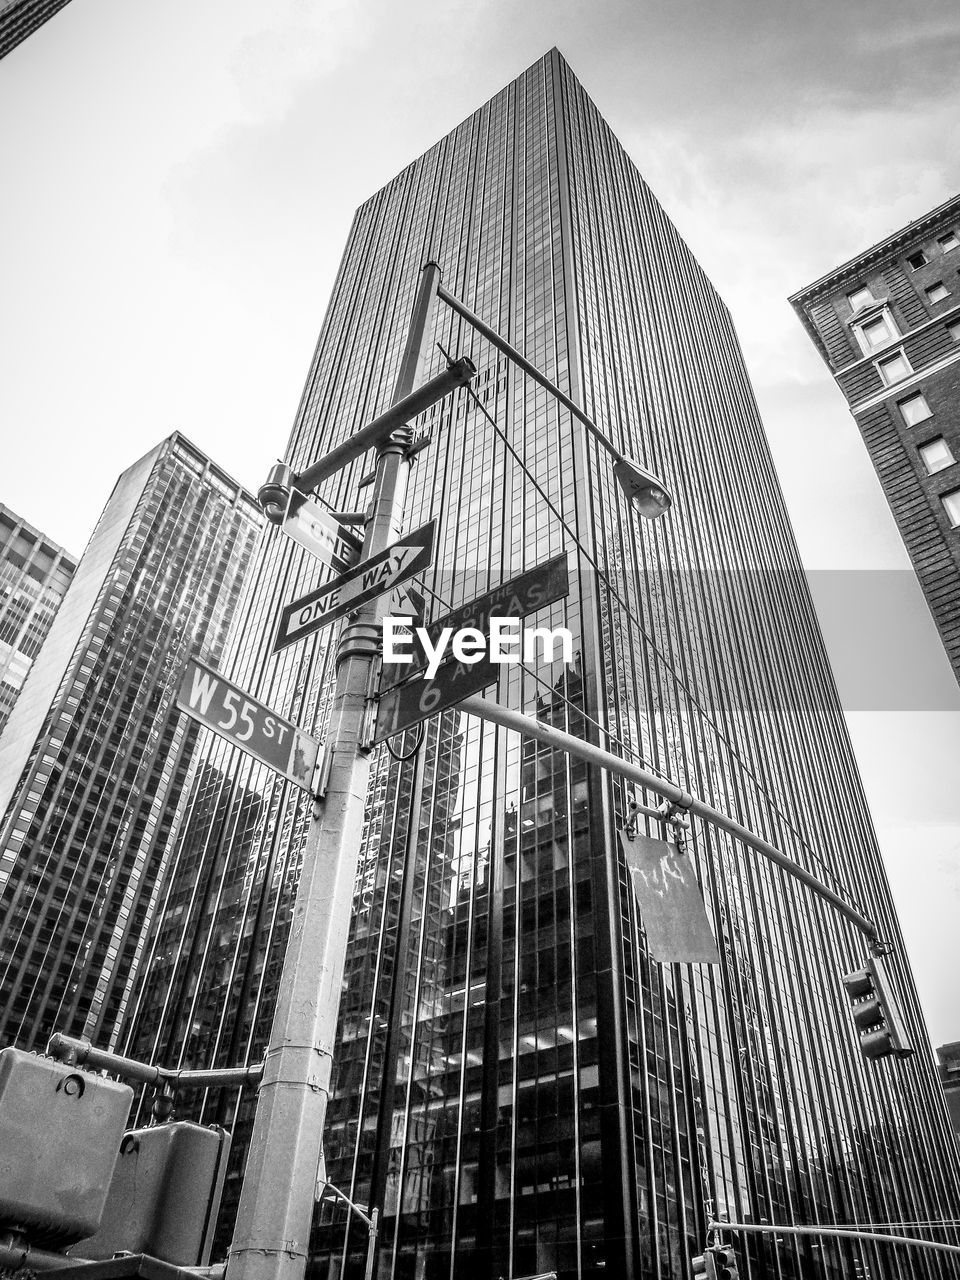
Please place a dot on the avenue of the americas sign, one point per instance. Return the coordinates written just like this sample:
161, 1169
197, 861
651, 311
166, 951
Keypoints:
514, 599
407, 704
364, 582
206, 696
401, 706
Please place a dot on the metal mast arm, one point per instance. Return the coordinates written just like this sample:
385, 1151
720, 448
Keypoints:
828, 1232
545, 733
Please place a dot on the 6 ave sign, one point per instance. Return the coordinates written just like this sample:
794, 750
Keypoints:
206, 696
407, 704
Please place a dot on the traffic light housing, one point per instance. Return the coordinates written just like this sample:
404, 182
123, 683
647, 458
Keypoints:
723, 1260
703, 1268
876, 1015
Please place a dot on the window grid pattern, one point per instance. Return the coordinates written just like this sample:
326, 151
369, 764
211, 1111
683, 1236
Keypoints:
82, 843
517, 1085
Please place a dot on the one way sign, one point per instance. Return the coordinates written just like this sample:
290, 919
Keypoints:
364, 582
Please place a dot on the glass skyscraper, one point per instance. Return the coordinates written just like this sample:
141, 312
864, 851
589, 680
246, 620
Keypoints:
95, 755
518, 1086
34, 576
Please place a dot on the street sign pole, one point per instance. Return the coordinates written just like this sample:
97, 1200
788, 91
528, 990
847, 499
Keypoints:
276, 1202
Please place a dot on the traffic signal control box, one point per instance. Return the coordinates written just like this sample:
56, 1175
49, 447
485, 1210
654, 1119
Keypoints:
60, 1132
165, 1195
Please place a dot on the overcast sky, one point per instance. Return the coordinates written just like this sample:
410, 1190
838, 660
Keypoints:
178, 180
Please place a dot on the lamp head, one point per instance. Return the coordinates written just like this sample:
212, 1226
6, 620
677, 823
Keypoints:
274, 494
643, 489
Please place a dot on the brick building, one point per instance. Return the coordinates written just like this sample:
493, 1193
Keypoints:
887, 323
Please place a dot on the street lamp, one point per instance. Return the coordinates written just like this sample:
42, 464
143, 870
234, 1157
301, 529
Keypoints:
643, 489
372, 1220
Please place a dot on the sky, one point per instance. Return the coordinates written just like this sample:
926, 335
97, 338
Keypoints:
178, 182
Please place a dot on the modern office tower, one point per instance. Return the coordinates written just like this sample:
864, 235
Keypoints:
94, 757
519, 1087
887, 323
20, 18
34, 576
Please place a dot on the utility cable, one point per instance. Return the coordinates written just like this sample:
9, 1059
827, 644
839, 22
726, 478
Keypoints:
627, 749
652, 643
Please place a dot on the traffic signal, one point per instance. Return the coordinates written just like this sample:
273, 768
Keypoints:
875, 1013
724, 1263
703, 1267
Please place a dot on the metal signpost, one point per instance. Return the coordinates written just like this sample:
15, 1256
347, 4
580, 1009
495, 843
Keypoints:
277, 1196
367, 581
208, 697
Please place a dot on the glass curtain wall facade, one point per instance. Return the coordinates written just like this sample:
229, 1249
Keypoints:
95, 757
20, 18
34, 576
518, 1087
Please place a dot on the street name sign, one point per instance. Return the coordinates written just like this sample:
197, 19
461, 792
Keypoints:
407, 704
205, 695
670, 902
307, 523
516, 598
364, 582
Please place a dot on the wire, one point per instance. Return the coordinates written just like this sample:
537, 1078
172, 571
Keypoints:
410, 754
654, 647
610, 736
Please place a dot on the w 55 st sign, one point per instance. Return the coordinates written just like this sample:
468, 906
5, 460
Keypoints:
206, 696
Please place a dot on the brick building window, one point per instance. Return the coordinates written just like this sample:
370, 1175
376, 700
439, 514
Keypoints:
948, 242
953, 328
894, 368
915, 409
937, 292
951, 505
917, 260
861, 297
936, 455
877, 332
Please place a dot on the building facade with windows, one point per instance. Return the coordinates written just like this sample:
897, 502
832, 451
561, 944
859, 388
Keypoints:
94, 757
887, 323
20, 18
519, 1087
34, 576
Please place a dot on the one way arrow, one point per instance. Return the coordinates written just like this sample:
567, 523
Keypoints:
364, 582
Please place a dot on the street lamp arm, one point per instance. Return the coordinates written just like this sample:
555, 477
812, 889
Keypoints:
516, 720
637, 481
457, 374
342, 1195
